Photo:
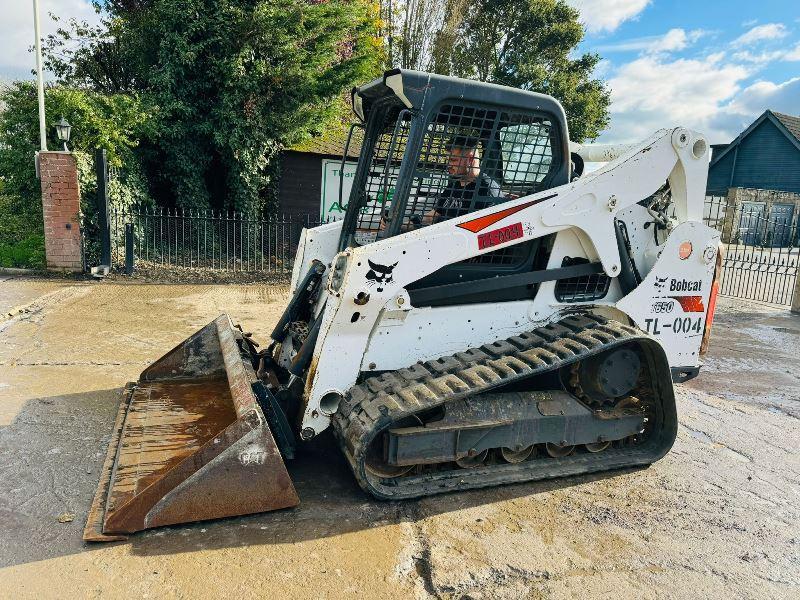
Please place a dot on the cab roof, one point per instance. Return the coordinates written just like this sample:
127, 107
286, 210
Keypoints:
424, 92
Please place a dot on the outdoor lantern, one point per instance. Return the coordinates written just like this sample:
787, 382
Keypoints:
62, 130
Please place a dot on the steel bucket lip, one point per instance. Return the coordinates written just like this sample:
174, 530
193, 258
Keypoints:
93, 531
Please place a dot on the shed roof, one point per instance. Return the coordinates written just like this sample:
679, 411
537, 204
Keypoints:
788, 125
331, 143
791, 123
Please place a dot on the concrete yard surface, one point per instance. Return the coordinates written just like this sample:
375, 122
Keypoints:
718, 517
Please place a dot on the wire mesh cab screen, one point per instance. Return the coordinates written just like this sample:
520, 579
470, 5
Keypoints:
471, 157
383, 167
581, 289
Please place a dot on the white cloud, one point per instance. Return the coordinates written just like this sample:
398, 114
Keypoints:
676, 39
716, 94
763, 58
793, 54
756, 98
673, 40
759, 33
16, 31
650, 93
607, 15
759, 58
733, 117
708, 95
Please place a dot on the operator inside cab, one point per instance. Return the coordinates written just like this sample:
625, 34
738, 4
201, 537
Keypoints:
467, 190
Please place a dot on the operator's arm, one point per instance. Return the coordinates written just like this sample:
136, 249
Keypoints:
440, 206
429, 218
413, 221
439, 212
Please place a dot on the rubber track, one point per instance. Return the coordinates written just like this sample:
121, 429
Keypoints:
379, 401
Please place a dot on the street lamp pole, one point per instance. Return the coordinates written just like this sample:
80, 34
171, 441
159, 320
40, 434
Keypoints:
39, 76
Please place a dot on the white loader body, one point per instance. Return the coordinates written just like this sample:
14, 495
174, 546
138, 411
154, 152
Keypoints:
388, 332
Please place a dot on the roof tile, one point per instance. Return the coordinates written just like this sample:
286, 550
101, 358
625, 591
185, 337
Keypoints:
331, 143
791, 123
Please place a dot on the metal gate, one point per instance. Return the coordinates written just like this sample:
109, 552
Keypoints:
761, 253
160, 242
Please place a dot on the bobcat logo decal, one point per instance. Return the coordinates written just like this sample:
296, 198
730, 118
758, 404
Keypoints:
379, 275
661, 283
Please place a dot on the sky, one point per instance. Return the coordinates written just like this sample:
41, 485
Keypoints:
711, 65
16, 31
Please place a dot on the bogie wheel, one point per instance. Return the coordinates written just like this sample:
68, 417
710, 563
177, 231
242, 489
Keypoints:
558, 451
377, 465
597, 446
517, 454
387, 471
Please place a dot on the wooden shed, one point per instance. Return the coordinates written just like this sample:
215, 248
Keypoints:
764, 156
309, 179
758, 175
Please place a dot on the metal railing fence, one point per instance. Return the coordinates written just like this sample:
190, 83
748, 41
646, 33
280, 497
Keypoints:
196, 239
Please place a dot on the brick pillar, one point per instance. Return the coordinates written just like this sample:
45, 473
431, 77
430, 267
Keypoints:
728, 223
61, 209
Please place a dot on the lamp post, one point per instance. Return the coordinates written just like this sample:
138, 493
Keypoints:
39, 77
63, 129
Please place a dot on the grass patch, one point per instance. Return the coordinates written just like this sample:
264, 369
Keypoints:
21, 234
25, 254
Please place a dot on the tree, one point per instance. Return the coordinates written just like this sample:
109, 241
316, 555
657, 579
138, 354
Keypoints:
527, 44
89, 57
111, 122
231, 83
424, 31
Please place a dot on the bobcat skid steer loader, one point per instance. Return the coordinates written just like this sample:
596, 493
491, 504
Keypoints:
484, 314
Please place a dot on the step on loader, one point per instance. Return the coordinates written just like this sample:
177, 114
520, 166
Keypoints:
486, 312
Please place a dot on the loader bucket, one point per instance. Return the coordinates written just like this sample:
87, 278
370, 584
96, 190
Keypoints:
190, 443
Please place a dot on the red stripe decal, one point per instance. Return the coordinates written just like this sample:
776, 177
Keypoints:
481, 223
690, 303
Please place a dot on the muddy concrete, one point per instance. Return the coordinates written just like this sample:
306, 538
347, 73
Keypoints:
718, 517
